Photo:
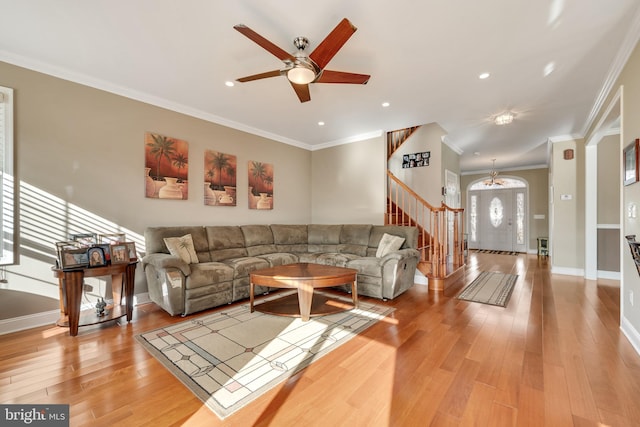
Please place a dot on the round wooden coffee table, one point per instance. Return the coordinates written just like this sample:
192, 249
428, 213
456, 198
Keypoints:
305, 278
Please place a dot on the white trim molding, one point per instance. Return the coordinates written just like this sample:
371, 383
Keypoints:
567, 271
631, 333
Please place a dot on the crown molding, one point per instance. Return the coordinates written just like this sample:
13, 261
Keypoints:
447, 141
629, 43
513, 169
100, 84
565, 138
348, 140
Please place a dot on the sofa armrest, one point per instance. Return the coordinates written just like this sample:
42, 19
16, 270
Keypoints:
400, 254
163, 261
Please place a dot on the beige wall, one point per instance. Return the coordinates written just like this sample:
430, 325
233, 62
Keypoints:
631, 194
609, 180
348, 183
628, 88
80, 152
567, 232
538, 199
426, 181
609, 204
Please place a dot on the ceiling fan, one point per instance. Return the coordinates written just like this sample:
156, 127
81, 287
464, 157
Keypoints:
302, 69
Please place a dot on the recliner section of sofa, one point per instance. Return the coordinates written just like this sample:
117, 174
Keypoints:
228, 254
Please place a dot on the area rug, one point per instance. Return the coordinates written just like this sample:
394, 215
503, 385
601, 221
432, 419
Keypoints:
489, 251
230, 357
490, 288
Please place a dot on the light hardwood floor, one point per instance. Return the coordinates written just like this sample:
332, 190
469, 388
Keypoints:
555, 356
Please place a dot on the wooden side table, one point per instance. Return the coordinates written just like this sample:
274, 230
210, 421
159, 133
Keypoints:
71, 286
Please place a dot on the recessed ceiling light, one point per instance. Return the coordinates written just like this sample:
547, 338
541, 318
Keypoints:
549, 68
320, 123
385, 104
484, 76
229, 83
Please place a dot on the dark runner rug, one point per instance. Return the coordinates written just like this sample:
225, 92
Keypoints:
490, 288
488, 251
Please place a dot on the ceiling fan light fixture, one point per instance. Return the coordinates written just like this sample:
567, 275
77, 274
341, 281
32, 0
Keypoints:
504, 118
301, 75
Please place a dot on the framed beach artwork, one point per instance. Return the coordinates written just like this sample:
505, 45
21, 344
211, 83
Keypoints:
260, 185
219, 178
166, 170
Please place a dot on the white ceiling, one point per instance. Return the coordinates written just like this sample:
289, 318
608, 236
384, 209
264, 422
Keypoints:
424, 58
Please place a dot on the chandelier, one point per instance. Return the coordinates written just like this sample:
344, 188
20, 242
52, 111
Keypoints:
493, 176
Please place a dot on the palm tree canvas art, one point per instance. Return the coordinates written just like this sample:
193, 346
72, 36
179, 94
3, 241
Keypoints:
166, 167
219, 178
260, 185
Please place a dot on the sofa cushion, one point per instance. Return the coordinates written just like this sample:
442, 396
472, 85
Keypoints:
369, 266
354, 239
409, 233
388, 244
258, 239
206, 273
328, 258
324, 238
290, 238
245, 265
279, 258
225, 242
182, 247
154, 240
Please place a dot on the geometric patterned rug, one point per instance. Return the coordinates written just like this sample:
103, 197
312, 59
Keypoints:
230, 357
490, 288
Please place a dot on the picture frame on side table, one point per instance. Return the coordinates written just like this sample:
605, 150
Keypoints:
84, 239
119, 253
131, 249
74, 258
631, 171
111, 238
96, 257
106, 250
60, 246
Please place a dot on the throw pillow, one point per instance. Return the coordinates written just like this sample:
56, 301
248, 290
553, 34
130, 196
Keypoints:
182, 247
388, 244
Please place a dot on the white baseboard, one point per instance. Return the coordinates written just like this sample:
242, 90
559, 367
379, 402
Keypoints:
612, 275
35, 320
21, 323
567, 271
420, 279
141, 298
631, 333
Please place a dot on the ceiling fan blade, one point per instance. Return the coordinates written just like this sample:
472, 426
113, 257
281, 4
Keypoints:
329, 76
302, 91
264, 43
332, 43
274, 73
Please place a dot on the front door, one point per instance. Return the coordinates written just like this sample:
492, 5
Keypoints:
496, 225
500, 219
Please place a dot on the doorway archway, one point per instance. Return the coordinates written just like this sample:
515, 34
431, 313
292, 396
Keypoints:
498, 214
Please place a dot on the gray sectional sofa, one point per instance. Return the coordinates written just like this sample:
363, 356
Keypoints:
226, 255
